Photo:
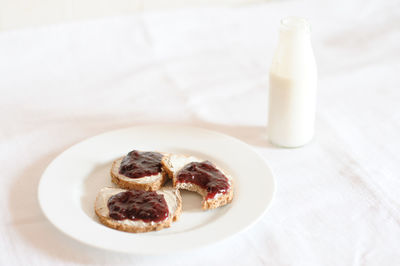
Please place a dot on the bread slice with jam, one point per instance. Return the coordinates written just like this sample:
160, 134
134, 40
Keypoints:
139, 170
203, 177
138, 211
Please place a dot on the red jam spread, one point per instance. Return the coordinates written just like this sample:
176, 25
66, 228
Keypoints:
148, 206
205, 175
138, 164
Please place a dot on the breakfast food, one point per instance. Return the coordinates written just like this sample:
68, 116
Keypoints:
141, 205
139, 170
203, 177
138, 211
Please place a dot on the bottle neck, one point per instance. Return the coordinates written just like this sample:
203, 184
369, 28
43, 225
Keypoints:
294, 53
294, 31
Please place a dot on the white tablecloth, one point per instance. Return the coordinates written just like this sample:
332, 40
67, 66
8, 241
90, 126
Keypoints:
338, 200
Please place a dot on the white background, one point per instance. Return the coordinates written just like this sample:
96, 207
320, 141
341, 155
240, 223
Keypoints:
31, 13
338, 198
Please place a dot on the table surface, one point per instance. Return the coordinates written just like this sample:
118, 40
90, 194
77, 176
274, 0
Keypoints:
338, 200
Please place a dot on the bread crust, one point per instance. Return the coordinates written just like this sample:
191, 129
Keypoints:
132, 184
206, 204
110, 222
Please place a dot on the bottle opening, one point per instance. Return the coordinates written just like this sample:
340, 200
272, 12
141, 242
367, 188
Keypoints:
295, 23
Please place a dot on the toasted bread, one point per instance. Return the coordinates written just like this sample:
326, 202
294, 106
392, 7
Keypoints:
174, 163
171, 196
149, 182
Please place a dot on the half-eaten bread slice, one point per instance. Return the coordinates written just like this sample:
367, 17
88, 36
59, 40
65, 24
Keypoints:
174, 164
136, 175
172, 198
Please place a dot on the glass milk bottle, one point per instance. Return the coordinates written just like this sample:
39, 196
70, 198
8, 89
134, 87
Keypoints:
292, 86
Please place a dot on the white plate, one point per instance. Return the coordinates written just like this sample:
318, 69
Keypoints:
68, 189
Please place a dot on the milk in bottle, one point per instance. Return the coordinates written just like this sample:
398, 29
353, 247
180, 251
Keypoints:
292, 86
